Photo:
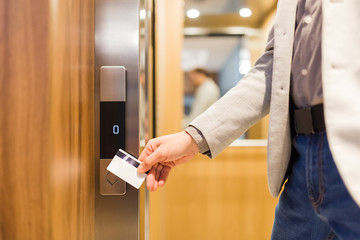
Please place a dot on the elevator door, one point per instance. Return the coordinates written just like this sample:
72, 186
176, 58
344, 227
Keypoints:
121, 75
51, 53
46, 120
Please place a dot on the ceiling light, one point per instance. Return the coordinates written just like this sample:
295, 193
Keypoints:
245, 12
244, 66
142, 14
193, 13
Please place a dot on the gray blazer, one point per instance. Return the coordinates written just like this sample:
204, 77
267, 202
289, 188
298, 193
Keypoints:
266, 89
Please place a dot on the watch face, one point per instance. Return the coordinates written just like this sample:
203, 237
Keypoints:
112, 128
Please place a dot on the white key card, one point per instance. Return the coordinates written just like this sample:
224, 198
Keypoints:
124, 165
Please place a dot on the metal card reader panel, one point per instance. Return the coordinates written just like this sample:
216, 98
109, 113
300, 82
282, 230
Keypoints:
110, 184
112, 125
112, 84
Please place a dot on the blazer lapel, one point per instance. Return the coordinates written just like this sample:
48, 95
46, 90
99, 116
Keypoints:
279, 155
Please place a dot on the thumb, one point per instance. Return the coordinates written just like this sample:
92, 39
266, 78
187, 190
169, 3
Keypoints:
151, 160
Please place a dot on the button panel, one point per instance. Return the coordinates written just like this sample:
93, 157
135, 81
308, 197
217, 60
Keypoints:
109, 183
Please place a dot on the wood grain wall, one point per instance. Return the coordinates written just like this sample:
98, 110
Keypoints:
223, 198
169, 85
46, 119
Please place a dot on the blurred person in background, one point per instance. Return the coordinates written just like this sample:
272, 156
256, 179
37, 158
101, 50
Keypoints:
206, 93
309, 80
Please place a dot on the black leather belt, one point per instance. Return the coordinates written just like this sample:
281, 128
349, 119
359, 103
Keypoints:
309, 120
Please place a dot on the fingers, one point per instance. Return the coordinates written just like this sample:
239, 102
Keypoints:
150, 179
157, 176
164, 175
158, 171
179, 147
150, 155
149, 149
146, 152
150, 160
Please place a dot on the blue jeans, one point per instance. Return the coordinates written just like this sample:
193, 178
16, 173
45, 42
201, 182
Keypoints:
315, 203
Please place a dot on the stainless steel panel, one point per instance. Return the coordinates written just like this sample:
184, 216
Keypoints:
112, 89
112, 84
146, 91
110, 184
117, 44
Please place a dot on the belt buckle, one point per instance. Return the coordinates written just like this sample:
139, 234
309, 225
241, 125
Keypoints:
303, 121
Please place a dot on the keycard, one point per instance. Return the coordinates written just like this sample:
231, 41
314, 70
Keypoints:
124, 165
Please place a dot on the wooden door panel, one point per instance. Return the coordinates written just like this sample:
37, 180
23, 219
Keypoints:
24, 122
46, 119
71, 59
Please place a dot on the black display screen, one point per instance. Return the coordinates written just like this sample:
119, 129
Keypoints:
112, 128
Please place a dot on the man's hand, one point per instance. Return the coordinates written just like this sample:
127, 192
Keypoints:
163, 153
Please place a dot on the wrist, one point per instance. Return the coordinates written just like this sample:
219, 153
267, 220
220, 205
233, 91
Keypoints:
194, 147
199, 139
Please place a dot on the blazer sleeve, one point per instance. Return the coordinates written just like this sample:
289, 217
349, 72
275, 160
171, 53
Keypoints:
241, 107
